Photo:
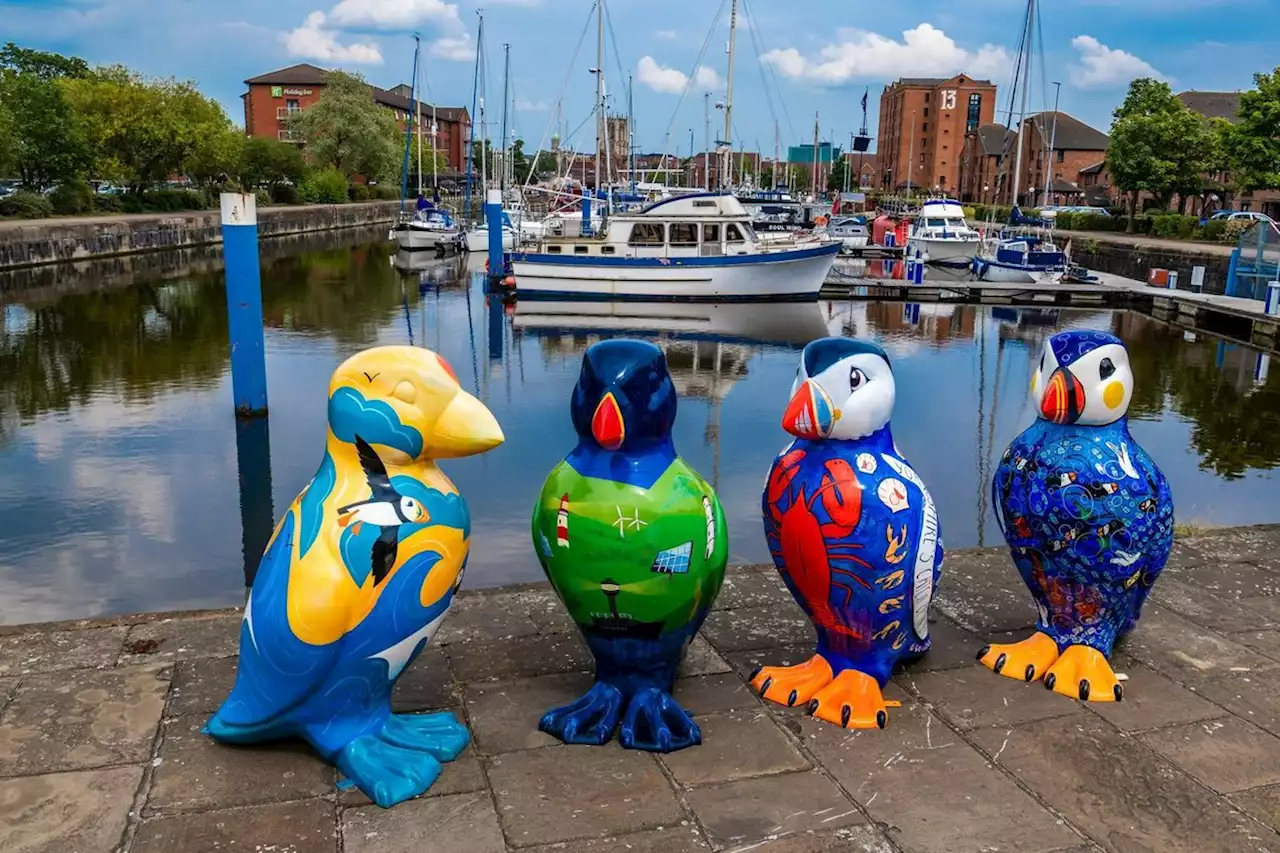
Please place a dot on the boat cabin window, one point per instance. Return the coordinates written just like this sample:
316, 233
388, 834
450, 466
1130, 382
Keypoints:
579, 250
553, 250
733, 234
683, 233
703, 203
646, 234
936, 223
711, 233
608, 250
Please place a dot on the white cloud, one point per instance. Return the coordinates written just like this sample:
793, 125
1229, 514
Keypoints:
394, 14
707, 78
528, 106
313, 41
923, 51
1101, 66
666, 35
453, 49
660, 78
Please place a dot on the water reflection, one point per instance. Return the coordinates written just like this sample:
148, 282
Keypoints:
128, 487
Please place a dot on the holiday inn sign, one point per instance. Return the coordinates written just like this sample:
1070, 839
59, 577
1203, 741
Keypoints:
280, 91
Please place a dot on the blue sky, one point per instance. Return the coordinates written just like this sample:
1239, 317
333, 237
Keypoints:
821, 53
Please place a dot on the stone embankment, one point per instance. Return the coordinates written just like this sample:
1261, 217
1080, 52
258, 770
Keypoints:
47, 241
101, 750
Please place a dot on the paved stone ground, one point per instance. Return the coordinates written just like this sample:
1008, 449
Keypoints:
100, 748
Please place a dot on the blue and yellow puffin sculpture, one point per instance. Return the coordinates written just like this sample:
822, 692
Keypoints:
854, 534
1087, 514
359, 574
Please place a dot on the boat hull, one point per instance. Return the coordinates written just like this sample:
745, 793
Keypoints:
788, 275
478, 240
997, 272
417, 239
959, 252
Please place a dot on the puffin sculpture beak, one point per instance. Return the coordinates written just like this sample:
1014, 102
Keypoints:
607, 425
810, 413
466, 427
1063, 398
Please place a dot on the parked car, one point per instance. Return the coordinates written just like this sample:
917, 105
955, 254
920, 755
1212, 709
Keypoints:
1238, 215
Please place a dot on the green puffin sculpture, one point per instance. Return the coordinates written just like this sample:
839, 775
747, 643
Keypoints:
635, 543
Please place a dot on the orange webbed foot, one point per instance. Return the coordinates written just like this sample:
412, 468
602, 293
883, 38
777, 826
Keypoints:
853, 701
1028, 660
792, 685
1083, 673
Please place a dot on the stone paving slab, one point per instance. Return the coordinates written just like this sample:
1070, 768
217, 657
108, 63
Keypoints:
101, 750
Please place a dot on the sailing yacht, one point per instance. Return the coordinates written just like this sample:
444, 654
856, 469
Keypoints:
429, 226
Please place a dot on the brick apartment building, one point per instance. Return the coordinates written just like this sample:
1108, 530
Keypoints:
274, 97
982, 163
923, 125
1225, 105
1076, 147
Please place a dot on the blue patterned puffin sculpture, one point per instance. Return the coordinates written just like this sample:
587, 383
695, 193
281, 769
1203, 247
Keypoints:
854, 534
1087, 514
359, 574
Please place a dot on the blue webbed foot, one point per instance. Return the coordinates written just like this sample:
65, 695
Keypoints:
403, 759
590, 720
654, 722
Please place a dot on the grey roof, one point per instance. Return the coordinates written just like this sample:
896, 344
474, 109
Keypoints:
1070, 134
1062, 186
936, 81
306, 74
1096, 168
995, 139
302, 74
1212, 104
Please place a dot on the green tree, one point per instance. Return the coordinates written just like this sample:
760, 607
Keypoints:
43, 142
1158, 145
347, 131
218, 158
8, 139
143, 131
836, 178
37, 63
269, 163
1252, 146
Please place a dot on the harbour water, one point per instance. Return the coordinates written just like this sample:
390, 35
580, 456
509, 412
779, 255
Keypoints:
126, 484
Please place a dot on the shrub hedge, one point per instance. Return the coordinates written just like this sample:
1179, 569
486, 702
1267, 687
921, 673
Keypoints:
72, 197
25, 205
324, 187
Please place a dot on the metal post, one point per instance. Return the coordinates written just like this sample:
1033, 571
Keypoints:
257, 518
1232, 270
244, 303
586, 214
493, 215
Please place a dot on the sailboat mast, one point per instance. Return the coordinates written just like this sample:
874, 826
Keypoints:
1026, 87
706, 140
777, 153
728, 98
813, 183
404, 166
599, 87
631, 135
911, 154
435, 153
475, 95
485, 152
417, 124
506, 96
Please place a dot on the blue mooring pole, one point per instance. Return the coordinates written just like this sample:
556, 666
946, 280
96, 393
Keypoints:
493, 215
244, 303
586, 214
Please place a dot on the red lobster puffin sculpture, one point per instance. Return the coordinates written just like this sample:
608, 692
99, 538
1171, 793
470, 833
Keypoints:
854, 534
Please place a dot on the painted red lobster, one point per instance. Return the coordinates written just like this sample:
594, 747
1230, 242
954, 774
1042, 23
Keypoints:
809, 552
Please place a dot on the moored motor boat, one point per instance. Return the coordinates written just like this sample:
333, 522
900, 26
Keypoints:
1021, 259
940, 234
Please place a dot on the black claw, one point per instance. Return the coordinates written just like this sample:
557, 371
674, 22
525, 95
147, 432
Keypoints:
754, 673
764, 688
983, 653
1084, 689
1050, 680
791, 700
1031, 671
845, 713
1119, 691
1000, 661
881, 719
813, 706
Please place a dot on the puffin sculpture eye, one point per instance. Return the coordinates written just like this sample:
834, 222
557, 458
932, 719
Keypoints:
1105, 368
856, 379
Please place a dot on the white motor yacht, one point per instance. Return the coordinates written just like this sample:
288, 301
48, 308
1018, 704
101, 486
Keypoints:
698, 246
941, 235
